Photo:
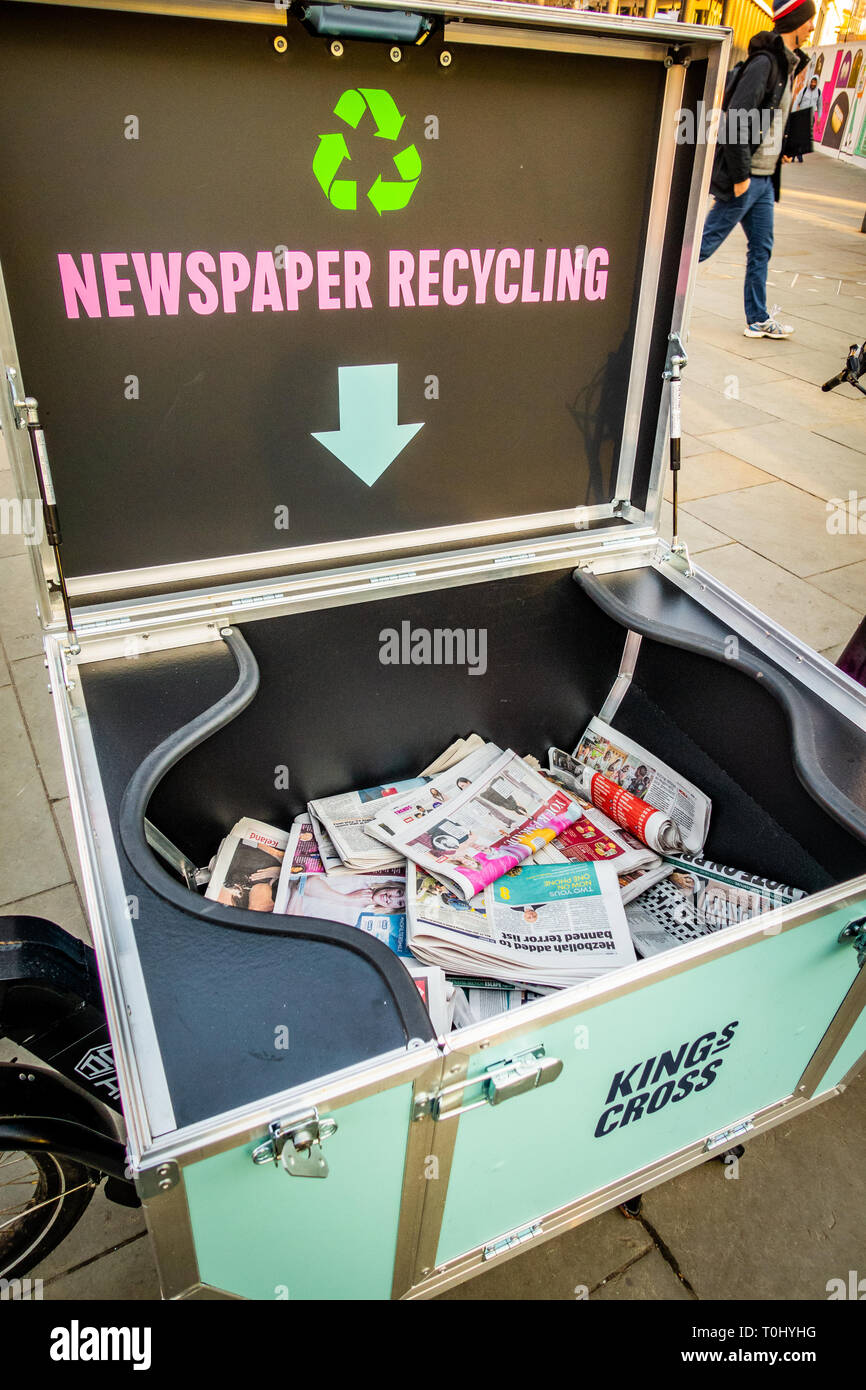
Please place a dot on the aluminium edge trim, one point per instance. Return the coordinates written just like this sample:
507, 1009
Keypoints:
146, 1107
241, 603
769, 638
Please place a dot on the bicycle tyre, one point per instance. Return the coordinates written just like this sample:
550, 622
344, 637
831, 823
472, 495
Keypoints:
62, 1187
61, 1195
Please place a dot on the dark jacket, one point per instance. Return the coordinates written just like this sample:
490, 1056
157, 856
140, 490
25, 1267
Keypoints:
760, 88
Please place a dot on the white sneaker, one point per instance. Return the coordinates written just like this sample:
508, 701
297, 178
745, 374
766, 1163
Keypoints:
771, 328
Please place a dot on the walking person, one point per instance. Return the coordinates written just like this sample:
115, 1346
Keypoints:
806, 111
746, 173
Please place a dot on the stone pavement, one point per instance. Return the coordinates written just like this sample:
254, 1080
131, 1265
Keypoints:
765, 451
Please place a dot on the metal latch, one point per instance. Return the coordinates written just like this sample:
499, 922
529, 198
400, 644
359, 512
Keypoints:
855, 932
296, 1142
511, 1241
499, 1082
726, 1137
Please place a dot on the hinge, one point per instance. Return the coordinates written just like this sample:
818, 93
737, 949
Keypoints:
497, 1083
726, 1137
520, 557
296, 1142
404, 577
511, 1241
256, 600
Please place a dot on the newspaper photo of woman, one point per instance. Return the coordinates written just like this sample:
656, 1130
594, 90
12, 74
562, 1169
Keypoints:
252, 877
346, 900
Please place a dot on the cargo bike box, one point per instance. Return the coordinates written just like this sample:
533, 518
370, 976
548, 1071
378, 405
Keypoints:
335, 322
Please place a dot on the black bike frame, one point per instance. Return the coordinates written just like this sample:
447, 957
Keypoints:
50, 1003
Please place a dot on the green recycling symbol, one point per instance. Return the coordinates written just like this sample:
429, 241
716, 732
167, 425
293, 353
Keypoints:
386, 195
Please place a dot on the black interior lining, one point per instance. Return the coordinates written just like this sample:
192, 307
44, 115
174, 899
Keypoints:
805, 871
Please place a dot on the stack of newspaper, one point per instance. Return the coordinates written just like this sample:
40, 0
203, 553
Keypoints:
495, 881
540, 924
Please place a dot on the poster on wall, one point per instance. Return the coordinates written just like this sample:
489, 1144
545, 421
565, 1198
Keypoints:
840, 130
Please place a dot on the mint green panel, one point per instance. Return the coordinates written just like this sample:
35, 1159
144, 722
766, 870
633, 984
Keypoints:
540, 1151
262, 1234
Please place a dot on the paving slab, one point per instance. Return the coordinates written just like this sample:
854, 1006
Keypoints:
706, 475
727, 333
125, 1275
564, 1268
788, 1223
720, 368
692, 444
833, 653
31, 682
816, 368
651, 1278
61, 905
11, 538
799, 403
63, 819
806, 460
813, 616
851, 433
783, 524
848, 585
696, 534
19, 621
5, 673
31, 855
704, 411
103, 1227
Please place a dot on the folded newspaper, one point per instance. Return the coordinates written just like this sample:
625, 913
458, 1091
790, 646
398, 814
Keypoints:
700, 897
340, 822
492, 825
543, 924
247, 867
645, 776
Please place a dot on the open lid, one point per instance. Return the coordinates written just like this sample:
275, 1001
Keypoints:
288, 300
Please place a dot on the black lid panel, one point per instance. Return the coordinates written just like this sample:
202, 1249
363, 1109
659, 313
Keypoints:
214, 250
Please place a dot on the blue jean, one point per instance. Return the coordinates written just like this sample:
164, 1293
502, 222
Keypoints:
754, 209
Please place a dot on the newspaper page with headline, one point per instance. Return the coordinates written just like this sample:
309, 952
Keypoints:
541, 924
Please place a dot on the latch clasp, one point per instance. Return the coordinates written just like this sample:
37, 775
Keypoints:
499, 1082
296, 1142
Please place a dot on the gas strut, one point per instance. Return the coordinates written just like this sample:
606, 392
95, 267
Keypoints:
677, 359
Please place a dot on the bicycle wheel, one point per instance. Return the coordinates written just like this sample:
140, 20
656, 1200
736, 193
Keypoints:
42, 1195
